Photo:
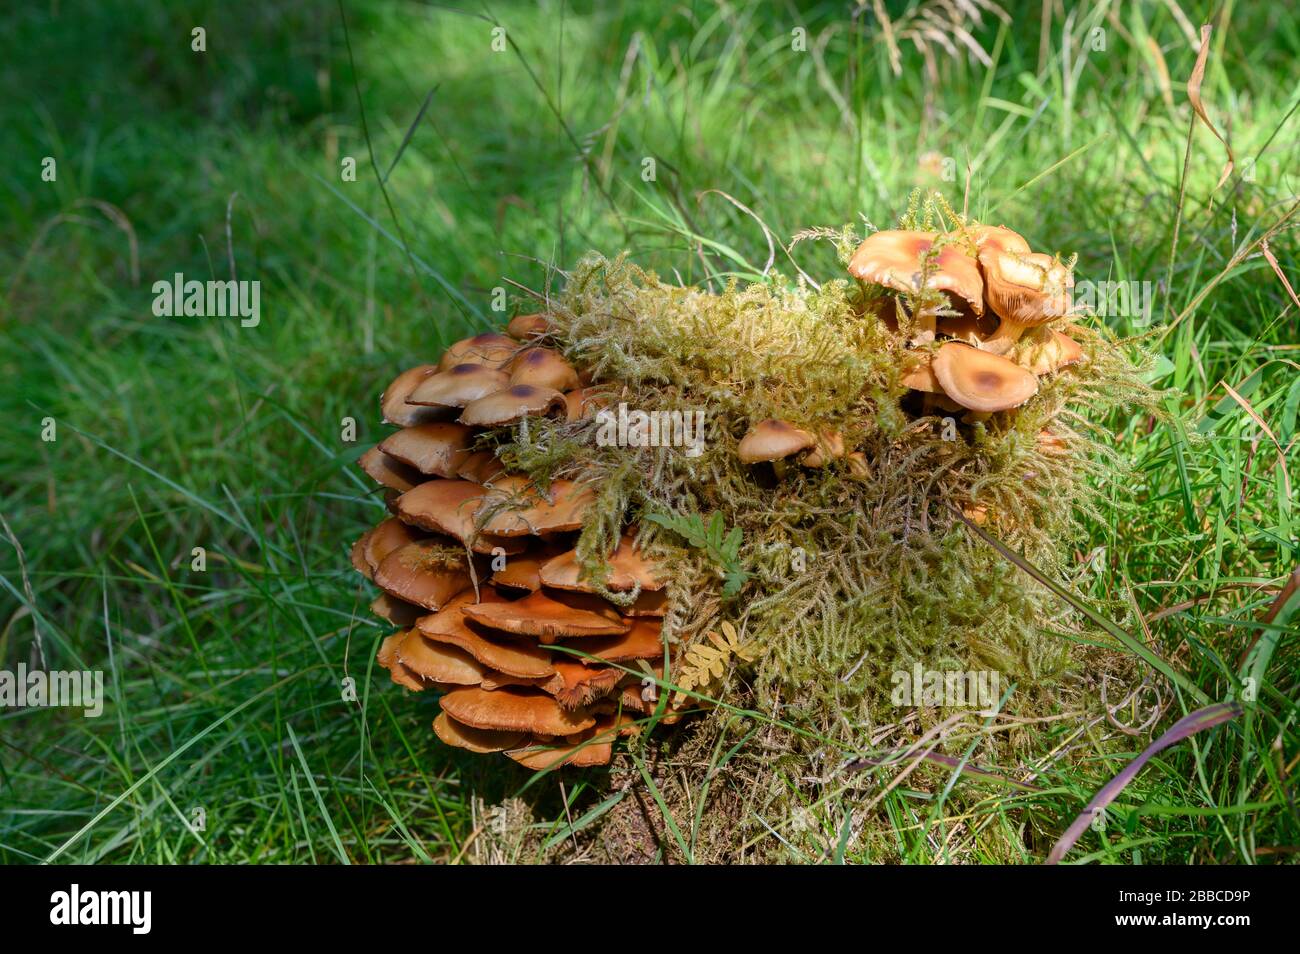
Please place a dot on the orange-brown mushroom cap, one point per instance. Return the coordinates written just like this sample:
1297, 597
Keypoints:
548, 619
921, 377
513, 507
1024, 290
643, 640
439, 662
423, 573
447, 506
459, 385
1053, 444
385, 537
519, 658
652, 603
626, 569
1000, 236
1057, 351
491, 348
357, 555
585, 752
524, 572
393, 401
515, 709
524, 327
437, 449
582, 403
479, 741
387, 658
896, 259
388, 471
513, 405
481, 467
543, 368
773, 439
398, 612
829, 446
982, 381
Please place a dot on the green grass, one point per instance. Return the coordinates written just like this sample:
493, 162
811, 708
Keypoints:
225, 685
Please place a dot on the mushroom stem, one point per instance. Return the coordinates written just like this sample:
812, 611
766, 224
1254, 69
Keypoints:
924, 327
1005, 338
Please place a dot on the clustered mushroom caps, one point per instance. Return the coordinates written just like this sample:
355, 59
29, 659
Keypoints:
990, 351
530, 658
981, 351
910, 261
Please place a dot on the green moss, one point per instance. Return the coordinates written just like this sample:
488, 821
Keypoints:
888, 574
853, 575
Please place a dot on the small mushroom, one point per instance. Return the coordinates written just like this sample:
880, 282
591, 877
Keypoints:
459, 385
626, 569
514, 709
897, 259
524, 572
643, 640
513, 507
981, 381
521, 659
438, 662
543, 368
481, 467
829, 446
1051, 444
999, 236
772, 440
653, 603
491, 349
479, 741
389, 471
1025, 290
585, 751
1057, 351
538, 614
922, 378
387, 658
447, 506
398, 612
393, 401
423, 574
525, 327
583, 403
388, 535
498, 680
512, 405
436, 449
357, 555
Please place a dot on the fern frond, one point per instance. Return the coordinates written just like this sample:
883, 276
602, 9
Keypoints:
704, 665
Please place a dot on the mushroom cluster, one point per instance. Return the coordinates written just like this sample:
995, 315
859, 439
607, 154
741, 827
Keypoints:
981, 303
977, 308
478, 572
549, 656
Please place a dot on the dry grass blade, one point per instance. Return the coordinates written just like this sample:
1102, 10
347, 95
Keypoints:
1194, 96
